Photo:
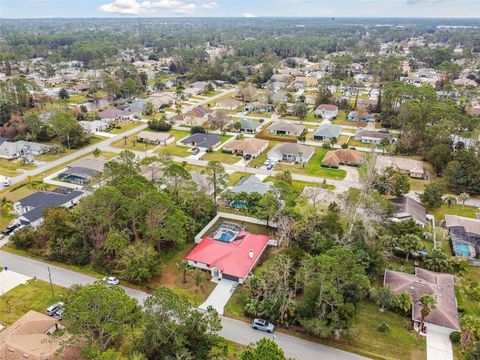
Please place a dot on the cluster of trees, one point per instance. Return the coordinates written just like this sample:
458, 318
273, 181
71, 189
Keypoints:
124, 226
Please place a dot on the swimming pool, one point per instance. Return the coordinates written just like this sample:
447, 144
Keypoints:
462, 249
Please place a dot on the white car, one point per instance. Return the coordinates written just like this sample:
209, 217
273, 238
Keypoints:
111, 280
52, 309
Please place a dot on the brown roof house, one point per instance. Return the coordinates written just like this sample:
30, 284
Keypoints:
407, 208
444, 318
228, 104
250, 146
30, 337
284, 128
343, 157
195, 117
414, 168
158, 138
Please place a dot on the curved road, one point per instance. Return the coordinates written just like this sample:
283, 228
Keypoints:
233, 330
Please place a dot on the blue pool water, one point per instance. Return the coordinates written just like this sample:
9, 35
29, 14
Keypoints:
227, 236
462, 249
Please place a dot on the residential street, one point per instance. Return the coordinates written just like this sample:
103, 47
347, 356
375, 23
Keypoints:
233, 330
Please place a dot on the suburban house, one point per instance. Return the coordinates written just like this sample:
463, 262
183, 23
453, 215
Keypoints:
196, 117
114, 114
258, 107
371, 137
30, 337
30, 209
326, 132
164, 99
354, 116
202, 182
284, 128
343, 157
84, 170
414, 168
247, 126
13, 150
201, 140
199, 85
252, 184
444, 318
159, 138
291, 152
229, 252
249, 146
406, 208
137, 106
228, 104
464, 235
192, 91
94, 125
326, 111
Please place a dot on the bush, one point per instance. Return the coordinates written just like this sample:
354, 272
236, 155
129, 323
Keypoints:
24, 238
383, 327
159, 125
197, 130
344, 146
455, 337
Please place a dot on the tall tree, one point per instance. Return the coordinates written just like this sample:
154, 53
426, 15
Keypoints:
217, 176
428, 304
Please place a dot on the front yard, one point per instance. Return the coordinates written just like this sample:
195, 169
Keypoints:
225, 158
34, 296
131, 143
124, 126
48, 157
13, 167
313, 167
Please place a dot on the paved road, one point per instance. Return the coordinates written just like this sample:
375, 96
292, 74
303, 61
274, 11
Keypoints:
50, 165
233, 330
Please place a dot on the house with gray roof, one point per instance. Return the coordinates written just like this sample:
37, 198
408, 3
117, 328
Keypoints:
248, 126
84, 170
285, 128
30, 209
291, 152
14, 150
406, 208
326, 132
251, 184
201, 140
372, 137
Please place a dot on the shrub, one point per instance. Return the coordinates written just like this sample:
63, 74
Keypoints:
383, 327
344, 146
455, 337
197, 130
159, 125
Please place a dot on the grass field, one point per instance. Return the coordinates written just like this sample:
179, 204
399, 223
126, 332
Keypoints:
224, 158
341, 119
455, 209
131, 143
356, 143
13, 167
36, 296
124, 126
313, 168
77, 99
48, 157
235, 178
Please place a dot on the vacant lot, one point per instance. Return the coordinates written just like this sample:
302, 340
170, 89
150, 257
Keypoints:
224, 158
36, 296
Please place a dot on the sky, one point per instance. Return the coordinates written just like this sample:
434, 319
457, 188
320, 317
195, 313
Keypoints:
239, 8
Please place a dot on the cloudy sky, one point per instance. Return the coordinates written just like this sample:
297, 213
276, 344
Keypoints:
239, 8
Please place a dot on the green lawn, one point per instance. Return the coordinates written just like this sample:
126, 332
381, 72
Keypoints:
48, 157
236, 177
77, 99
11, 167
131, 143
341, 119
342, 139
298, 186
124, 126
356, 143
258, 161
36, 295
455, 209
174, 150
313, 168
224, 158
418, 184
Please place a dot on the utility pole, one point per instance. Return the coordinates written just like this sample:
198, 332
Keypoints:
50, 278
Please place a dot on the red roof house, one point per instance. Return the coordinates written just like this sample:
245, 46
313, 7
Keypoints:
231, 256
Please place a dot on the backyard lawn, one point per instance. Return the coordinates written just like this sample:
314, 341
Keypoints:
77, 99
236, 177
224, 158
355, 143
34, 296
313, 168
454, 209
13, 167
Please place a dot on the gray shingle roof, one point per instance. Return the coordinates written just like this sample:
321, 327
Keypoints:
328, 131
250, 184
202, 140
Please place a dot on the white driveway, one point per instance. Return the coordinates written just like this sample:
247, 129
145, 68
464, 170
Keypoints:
439, 346
10, 279
220, 295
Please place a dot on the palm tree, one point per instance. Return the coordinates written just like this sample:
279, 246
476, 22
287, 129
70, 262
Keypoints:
450, 200
429, 304
463, 197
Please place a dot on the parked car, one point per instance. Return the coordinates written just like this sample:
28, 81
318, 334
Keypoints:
195, 151
52, 309
59, 313
247, 157
6, 182
267, 162
111, 280
263, 325
10, 229
270, 166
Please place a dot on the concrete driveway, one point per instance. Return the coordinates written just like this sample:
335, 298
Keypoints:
439, 346
220, 295
10, 279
